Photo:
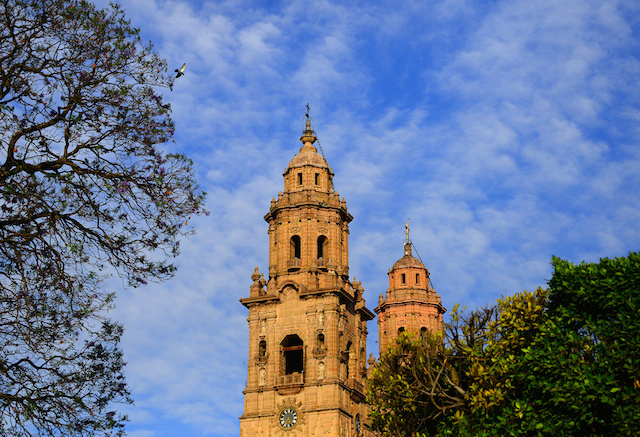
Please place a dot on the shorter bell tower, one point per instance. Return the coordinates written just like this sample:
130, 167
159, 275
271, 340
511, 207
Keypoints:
411, 304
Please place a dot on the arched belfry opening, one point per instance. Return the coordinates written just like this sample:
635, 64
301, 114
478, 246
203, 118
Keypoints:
295, 247
292, 355
323, 244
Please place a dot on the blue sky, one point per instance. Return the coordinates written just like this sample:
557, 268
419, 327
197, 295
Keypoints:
506, 131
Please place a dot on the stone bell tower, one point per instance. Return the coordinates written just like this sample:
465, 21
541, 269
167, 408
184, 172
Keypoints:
307, 321
411, 304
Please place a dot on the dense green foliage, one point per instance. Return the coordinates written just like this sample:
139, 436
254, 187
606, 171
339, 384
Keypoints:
86, 190
493, 401
563, 361
403, 383
419, 383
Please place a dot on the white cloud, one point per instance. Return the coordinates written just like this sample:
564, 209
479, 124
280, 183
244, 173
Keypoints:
507, 133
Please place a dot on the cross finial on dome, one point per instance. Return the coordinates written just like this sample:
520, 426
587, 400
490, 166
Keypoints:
406, 227
308, 136
407, 244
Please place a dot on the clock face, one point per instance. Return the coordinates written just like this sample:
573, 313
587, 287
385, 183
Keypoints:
288, 418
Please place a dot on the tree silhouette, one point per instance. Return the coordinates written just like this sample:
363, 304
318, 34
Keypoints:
85, 190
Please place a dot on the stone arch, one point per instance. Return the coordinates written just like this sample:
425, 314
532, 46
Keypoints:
295, 247
346, 355
297, 287
292, 356
323, 247
424, 333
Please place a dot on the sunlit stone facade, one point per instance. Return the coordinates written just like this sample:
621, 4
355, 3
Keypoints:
307, 363
411, 304
307, 319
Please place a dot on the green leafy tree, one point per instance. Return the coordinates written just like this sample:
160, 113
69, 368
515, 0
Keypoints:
420, 383
564, 361
400, 387
494, 403
85, 189
597, 306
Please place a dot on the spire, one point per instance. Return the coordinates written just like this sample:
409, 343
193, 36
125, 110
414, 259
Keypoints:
308, 136
407, 244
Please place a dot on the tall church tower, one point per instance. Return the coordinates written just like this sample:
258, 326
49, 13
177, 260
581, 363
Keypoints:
411, 304
307, 322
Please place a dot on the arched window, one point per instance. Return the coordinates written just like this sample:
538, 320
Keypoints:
346, 361
423, 333
400, 330
295, 247
292, 355
320, 341
322, 244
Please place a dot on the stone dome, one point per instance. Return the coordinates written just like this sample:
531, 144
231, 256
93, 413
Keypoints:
308, 155
407, 260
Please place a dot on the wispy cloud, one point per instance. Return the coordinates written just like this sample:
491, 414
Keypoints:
507, 132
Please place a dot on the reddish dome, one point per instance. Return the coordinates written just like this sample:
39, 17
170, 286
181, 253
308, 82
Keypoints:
407, 260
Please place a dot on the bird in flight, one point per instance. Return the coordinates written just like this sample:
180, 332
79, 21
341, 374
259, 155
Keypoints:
181, 70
